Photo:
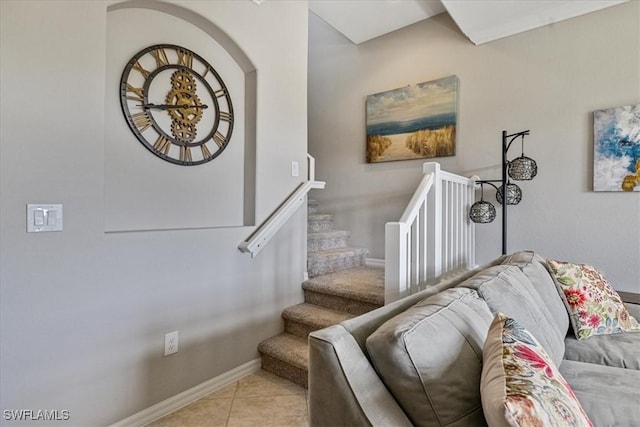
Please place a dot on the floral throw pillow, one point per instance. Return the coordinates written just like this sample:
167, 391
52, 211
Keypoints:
520, 386
595, 308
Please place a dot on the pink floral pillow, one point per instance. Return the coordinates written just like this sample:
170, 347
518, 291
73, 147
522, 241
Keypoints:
595, 308
520, 386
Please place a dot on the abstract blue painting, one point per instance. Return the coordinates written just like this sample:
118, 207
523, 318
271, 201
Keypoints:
616, 153
413, 122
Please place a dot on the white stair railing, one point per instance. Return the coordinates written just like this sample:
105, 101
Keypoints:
263, 234
434, 236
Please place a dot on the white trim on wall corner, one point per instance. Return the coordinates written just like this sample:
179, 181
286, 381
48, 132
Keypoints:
374, 262
187, 397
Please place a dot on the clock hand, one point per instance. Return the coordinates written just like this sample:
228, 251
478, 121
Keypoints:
172, 107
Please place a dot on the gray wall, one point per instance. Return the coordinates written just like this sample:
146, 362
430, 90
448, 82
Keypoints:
84, 313
548, 80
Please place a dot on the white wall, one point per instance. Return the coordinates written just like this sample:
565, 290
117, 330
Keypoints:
162, 195
547, 80
84, 313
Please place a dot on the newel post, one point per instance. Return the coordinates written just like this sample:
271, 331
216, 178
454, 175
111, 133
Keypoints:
395, 264
434, 221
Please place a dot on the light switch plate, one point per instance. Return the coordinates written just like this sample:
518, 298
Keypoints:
44, 218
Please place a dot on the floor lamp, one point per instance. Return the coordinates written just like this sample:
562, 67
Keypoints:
519, 169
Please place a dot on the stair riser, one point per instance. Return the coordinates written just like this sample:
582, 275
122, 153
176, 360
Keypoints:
299, 329
285, 370
321, 244
312, 206
318, 267
335, 302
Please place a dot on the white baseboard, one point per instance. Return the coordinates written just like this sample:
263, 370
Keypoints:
374, 262
187, 397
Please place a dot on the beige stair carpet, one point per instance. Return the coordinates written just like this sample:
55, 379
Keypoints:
340, 287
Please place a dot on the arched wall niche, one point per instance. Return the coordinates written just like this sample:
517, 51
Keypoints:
194, 19
248, 141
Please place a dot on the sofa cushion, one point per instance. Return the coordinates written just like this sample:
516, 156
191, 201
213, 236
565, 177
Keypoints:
506, 289
619, 350
535, 268
633, 309
595, 308
520, 385
608, 395
430, 358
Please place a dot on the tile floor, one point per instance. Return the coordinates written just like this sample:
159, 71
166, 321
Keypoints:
260, 399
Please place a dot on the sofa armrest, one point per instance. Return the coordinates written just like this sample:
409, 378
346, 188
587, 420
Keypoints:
344, 389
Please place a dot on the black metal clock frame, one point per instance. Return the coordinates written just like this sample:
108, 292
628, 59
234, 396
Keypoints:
221, 140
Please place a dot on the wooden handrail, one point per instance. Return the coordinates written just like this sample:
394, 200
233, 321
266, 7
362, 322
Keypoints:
265, 232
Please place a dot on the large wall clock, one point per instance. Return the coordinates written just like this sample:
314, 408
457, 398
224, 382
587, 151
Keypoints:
176, 104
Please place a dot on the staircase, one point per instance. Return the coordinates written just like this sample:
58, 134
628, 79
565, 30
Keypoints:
327, 249
340, 287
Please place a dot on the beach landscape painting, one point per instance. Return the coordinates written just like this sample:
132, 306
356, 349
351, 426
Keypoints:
616, 153
413, 122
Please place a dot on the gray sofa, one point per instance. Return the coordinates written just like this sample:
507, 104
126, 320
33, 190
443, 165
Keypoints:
418, 361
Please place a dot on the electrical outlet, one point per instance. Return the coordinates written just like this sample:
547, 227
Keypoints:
171, 343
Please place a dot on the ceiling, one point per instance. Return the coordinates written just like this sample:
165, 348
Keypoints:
481, 21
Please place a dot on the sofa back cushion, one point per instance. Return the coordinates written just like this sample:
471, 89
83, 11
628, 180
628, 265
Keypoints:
535, 268
506, 289
430, 358
364, 325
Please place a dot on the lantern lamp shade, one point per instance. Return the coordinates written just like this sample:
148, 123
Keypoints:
514, 194
523, 168
482, 212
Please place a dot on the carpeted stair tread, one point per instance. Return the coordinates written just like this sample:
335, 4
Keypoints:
327, 240
362, 284
329, 234
314, 315
337, 253
287, 348
320, 217
319, 222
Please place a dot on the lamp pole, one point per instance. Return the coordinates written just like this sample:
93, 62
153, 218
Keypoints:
505, 148
521, 168
506, 144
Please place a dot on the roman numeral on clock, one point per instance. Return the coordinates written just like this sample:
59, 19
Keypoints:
219, 139
138, 93
162, 144
142, 121
227, 117
185, 58
185, 154
137, 66
205, 151
160, 56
